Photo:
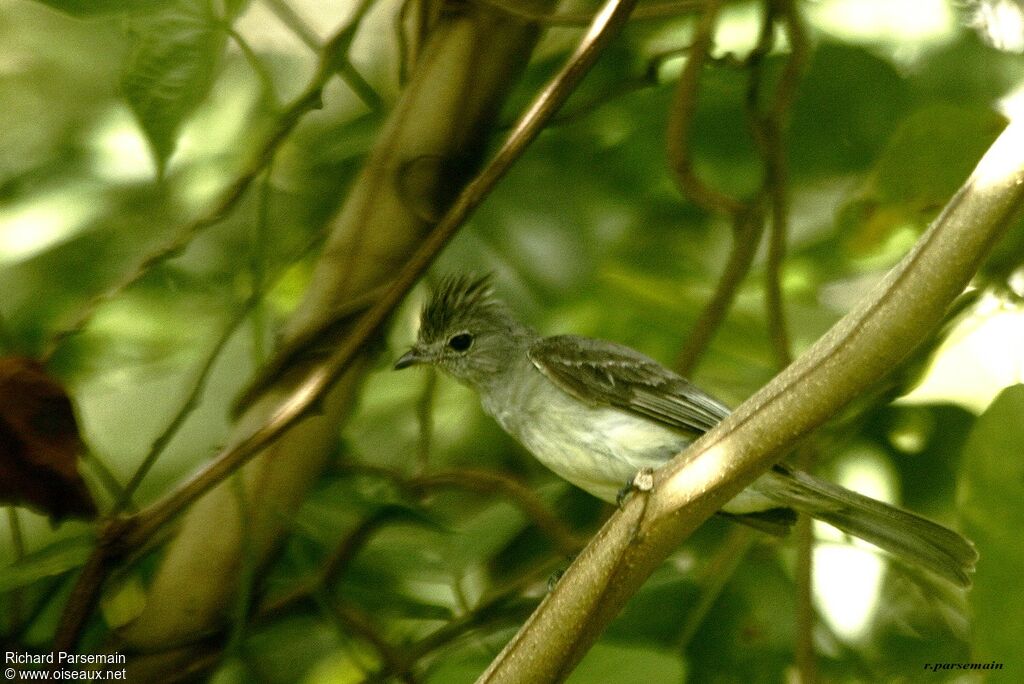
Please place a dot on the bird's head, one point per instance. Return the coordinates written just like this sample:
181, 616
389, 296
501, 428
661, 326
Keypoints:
466, 332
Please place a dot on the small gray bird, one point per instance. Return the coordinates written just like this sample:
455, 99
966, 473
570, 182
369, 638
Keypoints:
596, 413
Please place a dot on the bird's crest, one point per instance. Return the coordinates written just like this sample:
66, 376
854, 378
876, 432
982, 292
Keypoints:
457, 299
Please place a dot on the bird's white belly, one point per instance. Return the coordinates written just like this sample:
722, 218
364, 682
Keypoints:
597, 449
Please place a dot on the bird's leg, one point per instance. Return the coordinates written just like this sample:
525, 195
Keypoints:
557, 574
642, 481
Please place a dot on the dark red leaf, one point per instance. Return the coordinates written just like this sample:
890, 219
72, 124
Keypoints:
39, 443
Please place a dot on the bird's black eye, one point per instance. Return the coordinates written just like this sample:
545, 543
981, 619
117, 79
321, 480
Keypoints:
460, 342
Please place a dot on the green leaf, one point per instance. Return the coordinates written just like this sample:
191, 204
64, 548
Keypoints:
92, 8
924, 162
933, 152
171, 70
992, 505
123, 602
633, 663
55, 559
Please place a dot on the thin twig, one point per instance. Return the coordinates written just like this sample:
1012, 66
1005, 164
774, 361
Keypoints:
748, 227
806, 618
17, 600
338, 47
769, 130
268, 90
523, 497
287, 15
680, 122
484, 481
663, 10
105, 475
746, 216
716, 574
354, 620
505, 604
336, 564
258, 264
85, 593
189, 405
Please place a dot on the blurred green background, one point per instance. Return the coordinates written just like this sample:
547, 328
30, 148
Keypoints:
122, 122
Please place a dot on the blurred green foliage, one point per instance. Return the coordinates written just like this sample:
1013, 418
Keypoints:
124, 121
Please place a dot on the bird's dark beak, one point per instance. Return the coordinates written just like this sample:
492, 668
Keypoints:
410, 358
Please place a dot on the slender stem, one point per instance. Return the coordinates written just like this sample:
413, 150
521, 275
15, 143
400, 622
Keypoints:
189, 405
287, 15
663, 10
806, 617
269, 92
716, 575
523, 497
103, 473
17, 605
684, 107
748, 228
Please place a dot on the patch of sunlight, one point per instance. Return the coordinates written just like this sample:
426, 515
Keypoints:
347, 666
898, 22
120, 153
39, 223
1001, 164
737, 33
202, 163
912, 430
799, 277
1011, 105
890, 249
1001, 23
738, 28
978, 359
848, 574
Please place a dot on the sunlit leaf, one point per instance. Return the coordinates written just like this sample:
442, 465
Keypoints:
925, 161
172, 69
992, 507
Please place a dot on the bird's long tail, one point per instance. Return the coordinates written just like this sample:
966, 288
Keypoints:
908, 536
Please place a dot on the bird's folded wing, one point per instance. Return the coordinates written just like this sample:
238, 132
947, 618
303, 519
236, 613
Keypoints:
604, 373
